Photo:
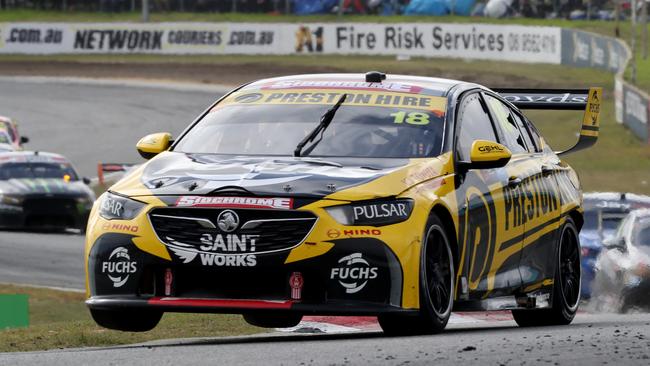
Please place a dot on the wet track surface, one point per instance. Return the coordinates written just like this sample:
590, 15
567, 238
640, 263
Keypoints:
91, 123
591, 340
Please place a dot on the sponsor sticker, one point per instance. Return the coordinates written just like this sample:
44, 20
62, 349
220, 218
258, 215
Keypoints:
220, 250
119, 266
120, 227
380, 211
296, 281
325, 96
353, 273
235, 202
342, 84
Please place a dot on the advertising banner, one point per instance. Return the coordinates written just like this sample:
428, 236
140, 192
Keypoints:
583, 49
468, 41
635, 112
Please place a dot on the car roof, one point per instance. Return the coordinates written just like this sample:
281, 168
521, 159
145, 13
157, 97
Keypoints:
31, 156
434, 86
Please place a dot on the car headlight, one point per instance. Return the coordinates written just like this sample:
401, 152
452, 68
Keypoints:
12, 200
372, 213
113, 206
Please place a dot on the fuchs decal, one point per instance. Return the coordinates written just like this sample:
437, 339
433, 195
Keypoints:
235, 202
353, 273
119, 266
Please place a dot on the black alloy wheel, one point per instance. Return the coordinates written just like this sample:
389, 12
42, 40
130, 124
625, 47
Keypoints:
570, 269
438, 272
566, 284
436, 287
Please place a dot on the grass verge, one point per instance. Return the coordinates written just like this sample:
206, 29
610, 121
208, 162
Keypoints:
59, 319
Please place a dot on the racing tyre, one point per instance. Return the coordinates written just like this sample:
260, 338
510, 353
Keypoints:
566, 288
128, 320
273, 320
436, 287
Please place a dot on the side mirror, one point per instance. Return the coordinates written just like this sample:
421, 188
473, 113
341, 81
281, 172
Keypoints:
617, 243
24, 139
86, 180
488, 155
152, 145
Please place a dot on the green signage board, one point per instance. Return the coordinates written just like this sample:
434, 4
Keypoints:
14, 311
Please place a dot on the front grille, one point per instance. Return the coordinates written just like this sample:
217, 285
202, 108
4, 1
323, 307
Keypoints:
274, 230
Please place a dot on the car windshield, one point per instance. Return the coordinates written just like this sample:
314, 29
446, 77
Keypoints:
4, 138
241, 127
36, 170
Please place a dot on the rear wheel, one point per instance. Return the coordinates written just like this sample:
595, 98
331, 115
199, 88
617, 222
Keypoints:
127, 320
273, 320
436, 287
566, 288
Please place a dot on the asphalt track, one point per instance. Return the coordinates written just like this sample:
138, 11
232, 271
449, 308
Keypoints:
591, 340
88, 121
102, 121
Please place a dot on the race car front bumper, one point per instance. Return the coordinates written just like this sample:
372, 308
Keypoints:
357, 276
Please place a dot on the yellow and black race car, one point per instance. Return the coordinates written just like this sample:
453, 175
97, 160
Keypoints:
402, 197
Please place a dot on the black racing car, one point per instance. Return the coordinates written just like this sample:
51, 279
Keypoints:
41, 190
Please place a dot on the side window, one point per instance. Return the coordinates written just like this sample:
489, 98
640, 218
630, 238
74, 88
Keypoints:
475, 125
525, 131
534, 135
511, 134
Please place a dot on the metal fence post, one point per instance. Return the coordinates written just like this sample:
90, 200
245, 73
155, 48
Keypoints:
287, 6
145, 10
644, 28
234, 6
633, 42
341, 2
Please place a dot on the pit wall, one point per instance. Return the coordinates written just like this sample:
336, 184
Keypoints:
514, 43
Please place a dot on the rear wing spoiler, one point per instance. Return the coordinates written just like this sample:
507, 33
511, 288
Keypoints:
587, 100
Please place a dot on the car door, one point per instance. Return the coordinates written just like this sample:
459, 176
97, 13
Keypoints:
536, 195
484, 269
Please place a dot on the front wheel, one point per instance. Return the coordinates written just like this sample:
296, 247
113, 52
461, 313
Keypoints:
128, 320
436, 287
566, 287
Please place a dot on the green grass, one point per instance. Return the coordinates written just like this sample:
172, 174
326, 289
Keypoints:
59, 319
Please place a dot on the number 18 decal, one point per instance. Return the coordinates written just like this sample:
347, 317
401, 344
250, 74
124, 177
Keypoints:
413, 118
